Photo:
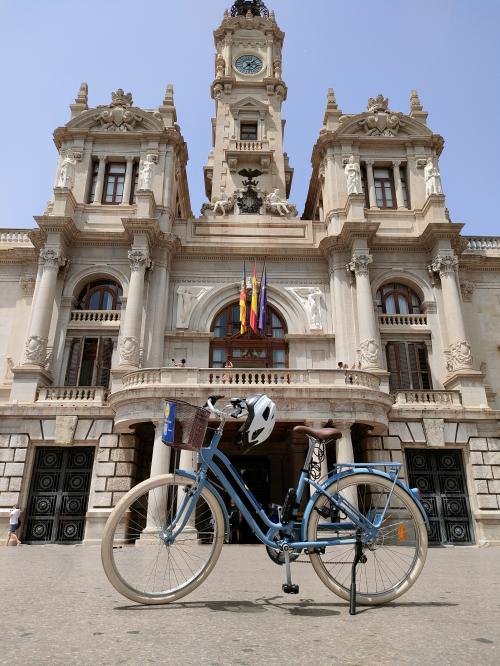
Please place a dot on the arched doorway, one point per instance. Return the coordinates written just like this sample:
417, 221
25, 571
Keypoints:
248, 350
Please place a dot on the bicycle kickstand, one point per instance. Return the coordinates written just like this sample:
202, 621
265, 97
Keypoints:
358, 557
288, 587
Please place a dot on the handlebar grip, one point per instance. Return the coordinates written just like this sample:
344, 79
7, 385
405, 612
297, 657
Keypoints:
235, 413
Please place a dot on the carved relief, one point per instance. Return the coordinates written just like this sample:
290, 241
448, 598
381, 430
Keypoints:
460, 355
381, 122
310, 299
139, 260
129, 351
368, 353
52, 259
359, 264
220, 66
445, 265
187, 298
118, 117
27, 284
467, 289
35, 350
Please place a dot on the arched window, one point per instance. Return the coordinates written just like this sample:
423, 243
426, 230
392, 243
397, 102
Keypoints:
397, 298
249, 350
100, 295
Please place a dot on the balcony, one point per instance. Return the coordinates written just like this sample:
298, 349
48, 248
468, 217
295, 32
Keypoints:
95, 318
430, 399
240, 149
94, 395
402, 323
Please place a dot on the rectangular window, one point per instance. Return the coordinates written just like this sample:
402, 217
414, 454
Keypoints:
93, 182
408, 366
113, 183
248, 131
89, 362
384, 188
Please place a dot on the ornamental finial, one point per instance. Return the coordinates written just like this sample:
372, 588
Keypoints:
255, 7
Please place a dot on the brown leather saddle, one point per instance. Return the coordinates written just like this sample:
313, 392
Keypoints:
322, 434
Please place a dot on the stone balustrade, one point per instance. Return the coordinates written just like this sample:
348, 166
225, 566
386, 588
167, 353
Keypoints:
206, 377
91, 394
249, 146
429, 398
402, 320
14, 236
480, 243
95, 317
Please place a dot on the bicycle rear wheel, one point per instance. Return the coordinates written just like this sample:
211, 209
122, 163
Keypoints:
141, 557
393, 561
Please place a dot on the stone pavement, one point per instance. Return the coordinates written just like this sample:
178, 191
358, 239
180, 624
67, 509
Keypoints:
58, 608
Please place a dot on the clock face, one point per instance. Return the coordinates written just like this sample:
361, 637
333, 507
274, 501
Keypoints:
249, 64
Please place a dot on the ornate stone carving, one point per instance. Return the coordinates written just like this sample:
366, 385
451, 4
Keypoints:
415, 104
187, 298
129, 351
331, 102
277, 67
467, 289
359, 264
275, 205
118, 117
223, 204
52, 259
27, 284
445, 265
460, 355
432, 178
368, 353
310, 298
220, 66
146, 170
83, 95
353, 176
381, 122
35, 350
67, 172
139, 260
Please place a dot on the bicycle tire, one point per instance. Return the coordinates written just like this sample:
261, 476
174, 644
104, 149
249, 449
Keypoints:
401, 545
137, 560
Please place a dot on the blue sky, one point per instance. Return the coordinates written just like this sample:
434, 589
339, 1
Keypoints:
446, 49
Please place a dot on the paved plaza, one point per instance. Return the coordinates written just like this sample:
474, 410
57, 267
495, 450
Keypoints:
58, 608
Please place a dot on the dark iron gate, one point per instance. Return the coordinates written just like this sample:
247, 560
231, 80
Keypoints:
439, 475
59, 495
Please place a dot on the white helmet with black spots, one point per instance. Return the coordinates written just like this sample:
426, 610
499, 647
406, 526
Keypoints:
260, 420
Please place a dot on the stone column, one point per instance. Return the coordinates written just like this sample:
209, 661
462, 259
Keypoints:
269, 45
100, 181
400, 200
127, 188
157, 310
371, 184
167, 185
369, 347
160, 463
329, 177
131, 328
36, 344
337, 280
459, 347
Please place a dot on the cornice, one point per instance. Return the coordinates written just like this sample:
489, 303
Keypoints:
150, 228
350, 231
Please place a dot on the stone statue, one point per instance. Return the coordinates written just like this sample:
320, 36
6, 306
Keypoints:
353, 175
67, 172
187, 297
275, 204
223, 204
146, 169
220, 65
432, 178
310, 298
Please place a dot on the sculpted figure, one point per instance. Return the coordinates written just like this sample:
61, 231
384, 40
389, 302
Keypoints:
276, 204
187, 297
220, 65
310, 298
146, 173
432, 178
353, 175
224, 204
67, 172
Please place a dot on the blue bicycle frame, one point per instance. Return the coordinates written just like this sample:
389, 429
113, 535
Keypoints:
210, 458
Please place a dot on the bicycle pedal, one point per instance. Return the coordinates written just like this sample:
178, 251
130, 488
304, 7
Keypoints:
290, 589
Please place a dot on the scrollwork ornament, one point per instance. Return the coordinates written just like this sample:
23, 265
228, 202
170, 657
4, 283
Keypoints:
445, 265
369, 354
52, 259
35, 350
139, 260
460, 355
129, 351
359, 265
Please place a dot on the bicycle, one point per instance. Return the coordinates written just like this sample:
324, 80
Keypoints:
164, 537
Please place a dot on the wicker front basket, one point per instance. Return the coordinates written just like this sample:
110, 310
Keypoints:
190, 425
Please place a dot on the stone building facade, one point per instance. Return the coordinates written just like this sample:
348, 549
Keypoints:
382, 318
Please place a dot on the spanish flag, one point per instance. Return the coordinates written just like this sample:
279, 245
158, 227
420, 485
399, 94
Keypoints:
243, 302
254, 315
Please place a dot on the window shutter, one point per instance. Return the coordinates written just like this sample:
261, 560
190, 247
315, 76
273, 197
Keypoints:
104, 362
415, 375
397, 364
71, 378
425, 374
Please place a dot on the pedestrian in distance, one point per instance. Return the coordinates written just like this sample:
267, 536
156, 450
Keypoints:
14, 524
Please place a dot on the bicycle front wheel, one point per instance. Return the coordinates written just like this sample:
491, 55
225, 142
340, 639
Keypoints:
144, 555
392, 562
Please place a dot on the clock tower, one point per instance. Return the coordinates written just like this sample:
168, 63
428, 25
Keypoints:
247, 161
